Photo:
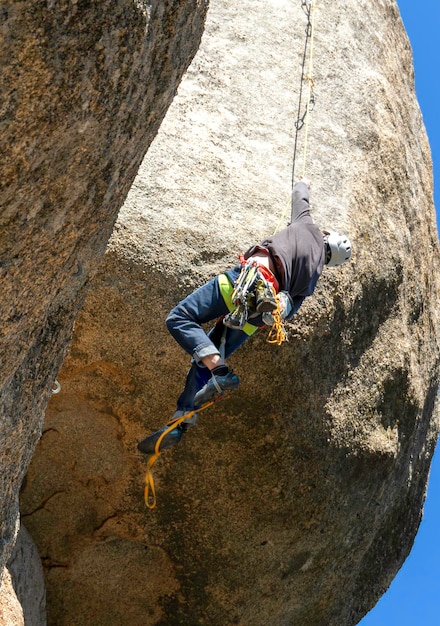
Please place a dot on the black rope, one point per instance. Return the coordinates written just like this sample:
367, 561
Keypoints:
307, 8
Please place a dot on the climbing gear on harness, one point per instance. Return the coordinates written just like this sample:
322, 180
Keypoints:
267, 275
237, 318
240, 309
265, 297
215, 386
338, 249
173, 424
244, 296
226, 289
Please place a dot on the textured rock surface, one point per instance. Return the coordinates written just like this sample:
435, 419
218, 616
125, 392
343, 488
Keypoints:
27, 578
84, 89
11, 612
296, 499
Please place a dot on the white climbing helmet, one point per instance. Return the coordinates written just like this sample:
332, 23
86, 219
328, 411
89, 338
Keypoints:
338, 248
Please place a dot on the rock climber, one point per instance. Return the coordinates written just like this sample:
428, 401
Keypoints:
277, 274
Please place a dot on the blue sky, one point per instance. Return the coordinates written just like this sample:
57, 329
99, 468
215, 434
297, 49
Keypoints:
414, 596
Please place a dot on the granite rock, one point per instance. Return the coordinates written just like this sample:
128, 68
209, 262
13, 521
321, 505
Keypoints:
297, 498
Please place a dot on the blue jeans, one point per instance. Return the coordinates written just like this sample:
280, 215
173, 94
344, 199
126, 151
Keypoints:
185, 324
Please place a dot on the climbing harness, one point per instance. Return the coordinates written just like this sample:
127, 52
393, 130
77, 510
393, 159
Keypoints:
241, 296
150, 490
226, 289
240, 299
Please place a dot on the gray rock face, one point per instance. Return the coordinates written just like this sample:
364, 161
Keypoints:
84, 89
297, 498
27, 578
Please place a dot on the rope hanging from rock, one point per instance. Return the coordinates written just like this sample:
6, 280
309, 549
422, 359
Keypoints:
302, 119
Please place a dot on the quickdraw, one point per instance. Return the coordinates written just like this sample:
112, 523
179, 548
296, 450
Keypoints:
304, 109
241, 298
302, 120
244, 282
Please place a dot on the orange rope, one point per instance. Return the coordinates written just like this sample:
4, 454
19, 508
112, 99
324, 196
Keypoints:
277, 334
150, 490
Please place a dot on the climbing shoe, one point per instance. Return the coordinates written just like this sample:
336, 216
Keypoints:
221, 380
265, 301
148, 445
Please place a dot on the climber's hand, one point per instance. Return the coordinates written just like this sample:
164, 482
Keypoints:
285, 304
